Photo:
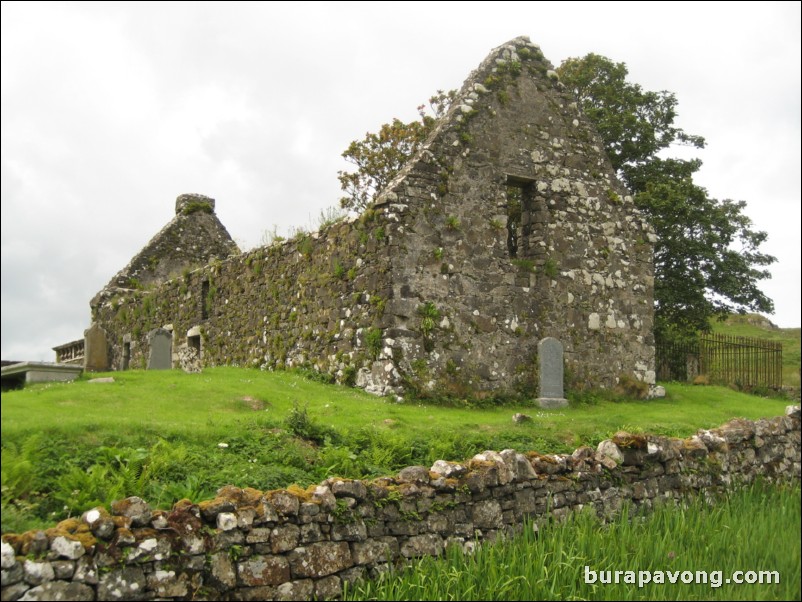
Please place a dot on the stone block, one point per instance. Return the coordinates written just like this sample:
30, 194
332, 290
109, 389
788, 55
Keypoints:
427, 544
487, 514
551, 363
263, 570
284, 538
96, 349
320, 559
383, 549
296, 590
122, 584
59, 590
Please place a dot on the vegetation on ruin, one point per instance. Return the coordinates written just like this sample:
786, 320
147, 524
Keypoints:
378, 157
748, 530
166, 435
196, 207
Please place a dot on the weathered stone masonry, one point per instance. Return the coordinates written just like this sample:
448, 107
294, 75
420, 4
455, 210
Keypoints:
582, 266
295, 544
192, 238
317, 300
508, 227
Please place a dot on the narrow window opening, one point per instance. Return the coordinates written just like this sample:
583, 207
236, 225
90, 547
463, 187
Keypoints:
205, 300
194, 342
520, 201
126, 355
514, 203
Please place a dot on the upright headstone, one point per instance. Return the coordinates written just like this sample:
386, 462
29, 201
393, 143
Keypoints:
550, 354
96, 349
160, 356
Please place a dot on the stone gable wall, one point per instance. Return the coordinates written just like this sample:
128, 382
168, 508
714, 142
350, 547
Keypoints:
583, 271
191, 239
294, 544
422, 292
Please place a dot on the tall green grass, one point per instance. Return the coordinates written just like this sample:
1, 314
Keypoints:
752, 529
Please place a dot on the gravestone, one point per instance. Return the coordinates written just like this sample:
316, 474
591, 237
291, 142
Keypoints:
96, 349
550, 354
160, 356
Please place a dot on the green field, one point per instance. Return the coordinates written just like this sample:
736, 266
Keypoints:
750, 530
165, 435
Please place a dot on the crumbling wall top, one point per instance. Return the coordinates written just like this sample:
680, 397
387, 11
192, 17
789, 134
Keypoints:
191, 202
191, 239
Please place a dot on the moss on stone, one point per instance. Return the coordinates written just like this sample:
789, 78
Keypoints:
196, 207
629, 441
74, 529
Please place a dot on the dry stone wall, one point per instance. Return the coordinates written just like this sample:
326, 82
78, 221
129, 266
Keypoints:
298, 544
508, 227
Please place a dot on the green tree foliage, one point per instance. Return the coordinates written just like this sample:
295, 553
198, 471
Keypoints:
379, 157
707, 256
635, 124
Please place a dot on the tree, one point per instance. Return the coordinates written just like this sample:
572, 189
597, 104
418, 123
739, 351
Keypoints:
379, 157
707, 257
635, 124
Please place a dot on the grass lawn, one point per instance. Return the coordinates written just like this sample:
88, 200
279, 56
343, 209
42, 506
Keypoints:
142, 406
165, 435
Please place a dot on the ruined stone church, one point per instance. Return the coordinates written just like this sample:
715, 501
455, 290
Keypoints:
509, 226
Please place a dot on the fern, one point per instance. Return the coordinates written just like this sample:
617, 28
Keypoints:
19, 467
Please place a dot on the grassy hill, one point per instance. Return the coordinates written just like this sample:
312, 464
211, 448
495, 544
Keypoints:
757, 326
165, 435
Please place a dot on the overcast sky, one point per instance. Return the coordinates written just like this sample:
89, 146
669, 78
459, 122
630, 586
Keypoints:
111, 110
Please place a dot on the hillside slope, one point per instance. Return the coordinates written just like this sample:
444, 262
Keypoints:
757, 326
